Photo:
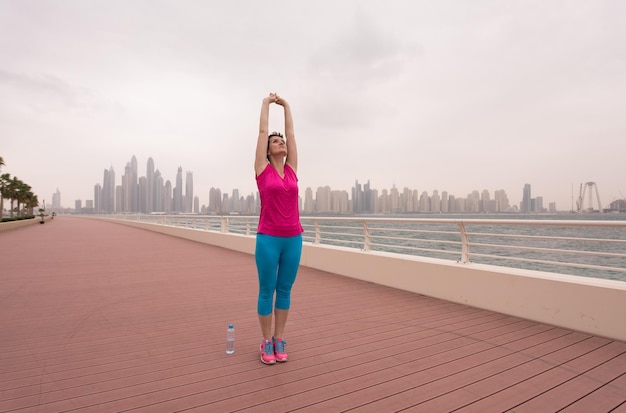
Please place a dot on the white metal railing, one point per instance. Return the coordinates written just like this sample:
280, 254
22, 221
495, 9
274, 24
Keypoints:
588, 247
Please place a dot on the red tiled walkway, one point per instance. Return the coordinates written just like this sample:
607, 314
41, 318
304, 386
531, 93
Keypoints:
101, 317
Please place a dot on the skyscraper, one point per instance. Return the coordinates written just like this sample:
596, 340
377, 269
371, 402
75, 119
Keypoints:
188, 203
502, 200
235, 201
119, 199
383, 202
424, 202
473, 202
159, 192
368, 205
357, 198
526, 204
394, 200
435, 202
339, 202
322, 196
168, 198
215, 201
133, 185
308, 200
97, 198
108, 191
142, 190
178, 191
150, 187
56, 200
445, 204
127, 185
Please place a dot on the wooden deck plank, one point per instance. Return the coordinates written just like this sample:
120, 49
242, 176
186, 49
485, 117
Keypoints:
421, 379
525, 378
38, 388
104, 317
581, 377
620, 409
335, 362
179, 390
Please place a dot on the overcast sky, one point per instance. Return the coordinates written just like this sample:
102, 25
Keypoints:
431, 95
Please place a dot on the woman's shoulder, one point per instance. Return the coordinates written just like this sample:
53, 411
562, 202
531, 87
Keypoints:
262, 170
289, 169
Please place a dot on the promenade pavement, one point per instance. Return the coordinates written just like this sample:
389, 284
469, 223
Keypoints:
97, 316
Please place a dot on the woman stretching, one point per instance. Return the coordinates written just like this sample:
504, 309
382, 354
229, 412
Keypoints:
279, 234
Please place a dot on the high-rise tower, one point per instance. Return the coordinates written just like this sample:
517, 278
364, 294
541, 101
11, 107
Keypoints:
108, 191
526, 205
188, 192
56, 200
178, 191
502, 201
159, 192
357, 198
127, 194
134, 185
97, 198
215, 201
150, 187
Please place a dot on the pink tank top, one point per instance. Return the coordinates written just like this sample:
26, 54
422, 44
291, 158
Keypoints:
280, 216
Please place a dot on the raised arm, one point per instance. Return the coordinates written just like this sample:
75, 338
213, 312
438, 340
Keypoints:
260, 160
292, 147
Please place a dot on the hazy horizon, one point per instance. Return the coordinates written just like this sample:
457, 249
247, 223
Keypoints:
513, 200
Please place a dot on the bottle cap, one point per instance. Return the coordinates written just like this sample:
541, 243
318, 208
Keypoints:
230, 326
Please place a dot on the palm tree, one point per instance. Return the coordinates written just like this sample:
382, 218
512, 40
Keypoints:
4, 190
23, 190
13, 192
3, 179
31, 202
16, 190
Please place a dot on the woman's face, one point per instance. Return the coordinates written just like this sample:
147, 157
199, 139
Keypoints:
276, 146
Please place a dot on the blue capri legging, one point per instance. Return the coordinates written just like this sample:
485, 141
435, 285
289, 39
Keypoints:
277, 262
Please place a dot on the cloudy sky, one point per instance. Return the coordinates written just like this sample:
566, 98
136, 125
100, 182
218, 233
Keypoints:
431, 95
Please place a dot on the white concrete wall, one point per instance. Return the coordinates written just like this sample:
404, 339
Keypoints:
588, 305
585, 304
11, 225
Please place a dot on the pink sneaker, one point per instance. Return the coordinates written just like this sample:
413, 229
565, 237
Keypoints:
267, 352
279, 349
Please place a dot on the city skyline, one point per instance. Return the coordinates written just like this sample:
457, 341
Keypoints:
590, 199
154, 192
426, 95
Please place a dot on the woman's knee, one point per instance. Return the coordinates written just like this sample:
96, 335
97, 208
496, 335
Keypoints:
283, 300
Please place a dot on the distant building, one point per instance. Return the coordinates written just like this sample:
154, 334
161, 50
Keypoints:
97, 197
308, 201
618, 205
56, 200
188, 199
108, 204
178, 191
526, 204
215, 201
151, 188
539, 204
552, 207
502, 201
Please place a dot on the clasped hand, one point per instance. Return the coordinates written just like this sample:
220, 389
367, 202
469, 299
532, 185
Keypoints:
274, 98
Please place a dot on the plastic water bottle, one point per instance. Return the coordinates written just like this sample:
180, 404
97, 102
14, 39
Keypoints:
230, 339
